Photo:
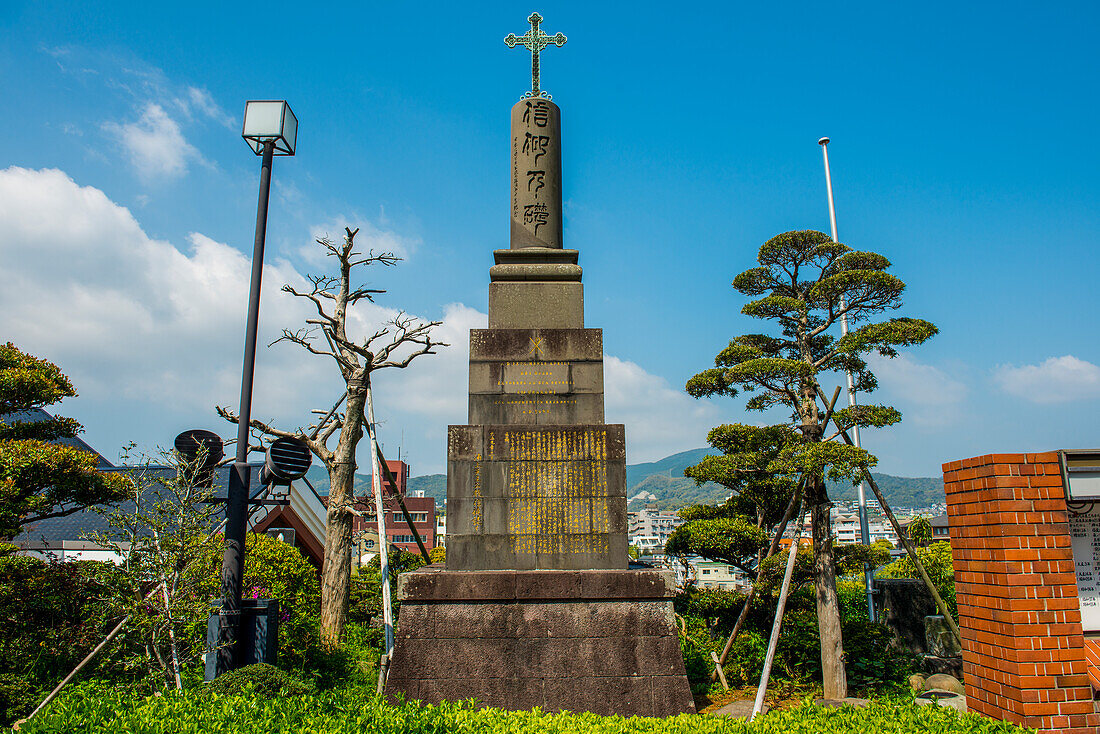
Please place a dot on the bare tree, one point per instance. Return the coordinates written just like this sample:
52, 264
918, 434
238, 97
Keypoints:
396, 344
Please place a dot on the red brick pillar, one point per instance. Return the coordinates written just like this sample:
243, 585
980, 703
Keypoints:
1023, 648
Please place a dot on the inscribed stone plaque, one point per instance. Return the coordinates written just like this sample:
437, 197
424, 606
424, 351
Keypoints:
530, 497
1084, 533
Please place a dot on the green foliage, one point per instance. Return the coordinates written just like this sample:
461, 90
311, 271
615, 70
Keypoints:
737, 530
920, 531
729, 539
27, 382
712, 604
272, 570
696, 646
936, 559
50, 617
438, 554
259, 679
356, 710
849, 562
38, 479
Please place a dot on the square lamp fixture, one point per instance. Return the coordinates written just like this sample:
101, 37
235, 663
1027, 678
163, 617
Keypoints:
1081, 474
266, 120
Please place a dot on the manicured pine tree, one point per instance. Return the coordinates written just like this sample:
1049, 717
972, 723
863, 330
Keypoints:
805, 283
39, 478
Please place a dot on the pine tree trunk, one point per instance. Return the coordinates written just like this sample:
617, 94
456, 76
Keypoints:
834, 680
336, 571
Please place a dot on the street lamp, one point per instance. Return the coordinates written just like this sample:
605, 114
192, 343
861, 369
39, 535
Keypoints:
270, 129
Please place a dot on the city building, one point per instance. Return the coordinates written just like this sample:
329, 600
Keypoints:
718, 575
421, 512
649, 528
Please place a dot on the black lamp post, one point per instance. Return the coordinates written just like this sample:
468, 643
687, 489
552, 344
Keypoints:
270, 129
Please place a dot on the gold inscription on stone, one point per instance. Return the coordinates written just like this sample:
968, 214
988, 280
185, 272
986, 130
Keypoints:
475, 512
557, 491
537, 406
535, 377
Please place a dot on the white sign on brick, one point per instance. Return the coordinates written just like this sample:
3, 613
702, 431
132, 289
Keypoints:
1084, 533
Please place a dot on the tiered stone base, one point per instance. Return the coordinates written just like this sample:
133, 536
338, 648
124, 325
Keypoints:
602, 641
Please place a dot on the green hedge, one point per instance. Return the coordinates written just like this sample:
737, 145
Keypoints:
353, 711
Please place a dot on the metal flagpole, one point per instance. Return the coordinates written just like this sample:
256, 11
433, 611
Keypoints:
380, 510
864, 532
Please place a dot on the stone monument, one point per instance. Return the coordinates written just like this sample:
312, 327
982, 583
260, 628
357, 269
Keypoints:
537, 604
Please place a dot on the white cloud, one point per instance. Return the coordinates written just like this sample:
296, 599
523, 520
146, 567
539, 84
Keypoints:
203, 101
155, 144
151, 334
926, 395
659, 420
1056, 380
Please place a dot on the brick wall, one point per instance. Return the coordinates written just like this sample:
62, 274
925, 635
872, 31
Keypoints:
1023, 648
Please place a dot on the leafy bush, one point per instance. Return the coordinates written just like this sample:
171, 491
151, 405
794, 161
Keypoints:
261, 679
745, 662
936, 559
50, 618
696, 646
356, 710
274, 570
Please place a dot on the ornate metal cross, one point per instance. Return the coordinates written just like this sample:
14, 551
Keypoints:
535, 40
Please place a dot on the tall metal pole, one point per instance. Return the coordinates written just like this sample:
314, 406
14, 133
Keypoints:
380, 510
864, 532
236, 510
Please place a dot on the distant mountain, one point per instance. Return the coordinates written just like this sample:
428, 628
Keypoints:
434, 485
318, 477
912, 492
670, 466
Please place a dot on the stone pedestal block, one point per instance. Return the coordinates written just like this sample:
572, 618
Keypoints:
536, 377
521, 304
536, 497
599, 641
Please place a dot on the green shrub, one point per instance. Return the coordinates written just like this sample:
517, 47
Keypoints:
260, 679
745, 661
357, 710
696, 647
50, 618
936, 559
273, 570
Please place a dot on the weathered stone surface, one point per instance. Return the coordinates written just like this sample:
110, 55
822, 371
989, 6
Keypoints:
489, 443
536, 304
939, 638
942, 698
535, 271
435, 584
944, 682
902, 605
536, 344
470, 635
537, 409
536, 174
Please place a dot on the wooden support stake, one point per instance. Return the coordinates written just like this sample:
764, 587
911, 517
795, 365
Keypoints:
718, 668
780, 607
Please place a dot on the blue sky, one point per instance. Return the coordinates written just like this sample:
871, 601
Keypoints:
962, 149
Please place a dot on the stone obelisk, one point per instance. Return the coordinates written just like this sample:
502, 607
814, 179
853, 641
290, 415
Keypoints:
537, 605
